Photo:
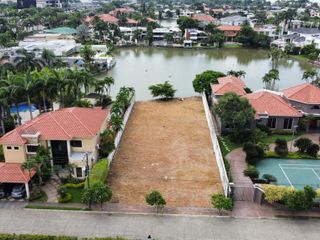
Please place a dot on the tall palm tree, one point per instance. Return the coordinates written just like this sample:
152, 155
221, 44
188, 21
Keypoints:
27, 85
61, 78
48, 57
310, 75
3, 107
9, 89
276, 54
26, 60
78, 80
270, 79
103, 86
87, 54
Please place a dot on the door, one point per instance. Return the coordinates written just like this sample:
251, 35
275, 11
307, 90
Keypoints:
59, 152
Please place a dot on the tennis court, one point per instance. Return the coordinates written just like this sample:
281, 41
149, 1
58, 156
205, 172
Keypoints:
295, 173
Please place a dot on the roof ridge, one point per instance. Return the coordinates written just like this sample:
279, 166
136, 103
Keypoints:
81, 122
59, 125
283, 102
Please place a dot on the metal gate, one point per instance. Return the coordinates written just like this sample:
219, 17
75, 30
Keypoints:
242, 192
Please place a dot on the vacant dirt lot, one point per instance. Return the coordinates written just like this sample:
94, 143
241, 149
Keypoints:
166, 146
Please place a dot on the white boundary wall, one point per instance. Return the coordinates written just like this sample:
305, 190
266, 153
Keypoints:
216, 147
120, 132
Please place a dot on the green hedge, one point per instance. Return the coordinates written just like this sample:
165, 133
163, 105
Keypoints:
291, 155
65, 199
49, 237
99, 172
74, 185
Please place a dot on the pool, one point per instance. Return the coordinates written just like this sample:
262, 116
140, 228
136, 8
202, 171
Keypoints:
292, 172
23, 107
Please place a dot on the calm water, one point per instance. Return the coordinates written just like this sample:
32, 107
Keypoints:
142, 67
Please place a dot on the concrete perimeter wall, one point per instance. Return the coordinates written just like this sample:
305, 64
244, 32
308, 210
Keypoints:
216, 147
120, 132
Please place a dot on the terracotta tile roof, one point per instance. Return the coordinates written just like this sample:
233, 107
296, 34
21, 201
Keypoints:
109, 18
220, 89
229, 28
121, 10
304, 93
151, 20
203, 18
13, 173
232, 79
132, 21
271, 104
63, 124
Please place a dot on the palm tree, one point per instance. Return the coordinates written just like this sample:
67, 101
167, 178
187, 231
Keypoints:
276, 54
3, 107
10, 91
239, 73
78, 80
60, 78
103, 86
310, 75
26, 60
29, 165
87, 54
48, 57
27, 85
270, 79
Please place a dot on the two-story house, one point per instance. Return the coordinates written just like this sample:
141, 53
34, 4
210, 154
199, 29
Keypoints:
71, 135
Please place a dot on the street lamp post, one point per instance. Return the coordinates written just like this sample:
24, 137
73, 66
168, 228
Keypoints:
294, 130
87, 174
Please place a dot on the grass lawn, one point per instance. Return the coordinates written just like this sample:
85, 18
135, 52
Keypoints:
226, 145
55, 208
300, 58
232, 46
273, 137
76, 194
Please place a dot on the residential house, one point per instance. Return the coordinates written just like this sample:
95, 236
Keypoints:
204, 20
71, 135
273, 111
306, 98
118, 11
160, 33
107, 18
194, 35
230, 32
269, 30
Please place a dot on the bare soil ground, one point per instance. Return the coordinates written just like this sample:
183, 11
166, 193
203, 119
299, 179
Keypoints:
166, 146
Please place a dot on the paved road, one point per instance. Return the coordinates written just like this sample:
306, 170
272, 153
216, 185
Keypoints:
159, 227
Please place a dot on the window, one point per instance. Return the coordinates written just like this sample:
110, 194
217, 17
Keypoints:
315, 107
79, 172
9, 147
272, 121
32, 148
16, 148
76, 143
287, 124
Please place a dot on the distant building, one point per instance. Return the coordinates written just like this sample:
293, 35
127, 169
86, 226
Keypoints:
268, 30
236, 20
230, 32
26, 3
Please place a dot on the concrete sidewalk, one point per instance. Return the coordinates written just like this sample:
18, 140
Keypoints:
91, 224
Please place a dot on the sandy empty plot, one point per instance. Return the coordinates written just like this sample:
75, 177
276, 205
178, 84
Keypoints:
166, 146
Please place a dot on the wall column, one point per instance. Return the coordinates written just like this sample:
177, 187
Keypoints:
27, 190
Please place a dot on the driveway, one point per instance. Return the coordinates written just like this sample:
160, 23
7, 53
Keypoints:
84, 224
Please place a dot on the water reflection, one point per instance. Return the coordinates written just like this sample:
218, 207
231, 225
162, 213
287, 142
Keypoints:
142, 67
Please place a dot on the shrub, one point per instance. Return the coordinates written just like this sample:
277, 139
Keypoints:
300, 199
163, 90
67, 198
251, 172
253, 152
9, 123
303, 144
273, 193
318, 193
270, 178
155, 198
264, 128
74, 185
313, 150
221, 202
281, 147
107, 142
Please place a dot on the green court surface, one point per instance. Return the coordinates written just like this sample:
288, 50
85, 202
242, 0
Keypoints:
295, 173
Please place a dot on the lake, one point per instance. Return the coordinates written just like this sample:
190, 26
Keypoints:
142, 67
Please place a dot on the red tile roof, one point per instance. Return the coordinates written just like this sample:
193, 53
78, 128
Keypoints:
204, 18
132, 21
63, 124
109, 18
116, 11
232, 79
151, 20
104, 17
229, 28
220, 89
271, 104
13, 173
304, 93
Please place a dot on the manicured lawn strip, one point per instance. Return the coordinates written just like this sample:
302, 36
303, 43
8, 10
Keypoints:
99, 172
232, 46
273, 137
55, 208
291, 155
76, 194
42, 198
300, 58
